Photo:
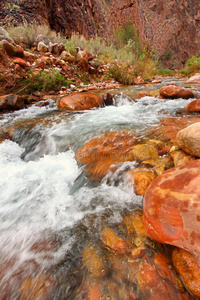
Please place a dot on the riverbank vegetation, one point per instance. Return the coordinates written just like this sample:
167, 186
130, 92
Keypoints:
123, 59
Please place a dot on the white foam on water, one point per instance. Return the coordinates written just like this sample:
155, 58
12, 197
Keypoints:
73, 132
36, 196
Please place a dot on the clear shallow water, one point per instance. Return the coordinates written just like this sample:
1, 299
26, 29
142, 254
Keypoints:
45, 194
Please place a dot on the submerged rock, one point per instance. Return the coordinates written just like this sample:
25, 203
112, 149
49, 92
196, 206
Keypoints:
189, 139
103, 151
144, 151
112, 241
93, 261
40, 287
80, 101
188, 268
171, 207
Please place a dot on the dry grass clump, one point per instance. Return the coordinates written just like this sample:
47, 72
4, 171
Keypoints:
27, 33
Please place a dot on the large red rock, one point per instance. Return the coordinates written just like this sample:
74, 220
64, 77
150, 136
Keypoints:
172, 207
21, 62
193, 106
105, 150
79, 101
173, 92
189, 139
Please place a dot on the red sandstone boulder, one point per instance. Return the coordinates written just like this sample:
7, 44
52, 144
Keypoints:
188, 268
172, 207
193, 106
79, 101
11, 102
100, 153
195, 79
21, 62
9, 48
189, 139
174, 92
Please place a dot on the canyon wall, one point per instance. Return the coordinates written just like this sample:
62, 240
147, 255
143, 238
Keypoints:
171, 27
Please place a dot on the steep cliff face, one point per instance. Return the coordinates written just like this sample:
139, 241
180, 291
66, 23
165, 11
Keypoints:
172, 27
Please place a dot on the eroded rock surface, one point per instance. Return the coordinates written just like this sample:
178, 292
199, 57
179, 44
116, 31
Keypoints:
172, 210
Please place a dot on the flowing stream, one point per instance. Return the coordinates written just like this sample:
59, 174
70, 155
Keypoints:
49, 209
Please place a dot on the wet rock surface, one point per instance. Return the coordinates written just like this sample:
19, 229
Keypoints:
193, 106
11, 102
79, 101
188, 268
171, 207
173, 92
106, 254
102, 152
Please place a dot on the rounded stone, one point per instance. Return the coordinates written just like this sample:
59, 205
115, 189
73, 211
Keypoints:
79, 101
172, 208
189, 139
193, 106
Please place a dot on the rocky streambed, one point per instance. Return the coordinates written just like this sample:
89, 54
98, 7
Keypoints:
101, 203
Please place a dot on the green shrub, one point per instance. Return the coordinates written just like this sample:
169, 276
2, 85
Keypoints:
192, 66
122, 74
44, 81
162, 70
125, 33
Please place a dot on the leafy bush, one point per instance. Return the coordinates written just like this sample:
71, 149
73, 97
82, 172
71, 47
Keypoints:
192, 66
125, 33
162, 70
44, 81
